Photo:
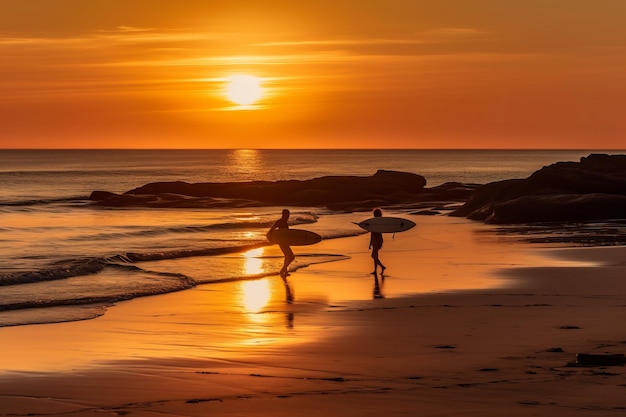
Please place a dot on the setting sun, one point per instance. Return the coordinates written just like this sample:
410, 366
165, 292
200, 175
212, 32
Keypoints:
422, 74
243, 90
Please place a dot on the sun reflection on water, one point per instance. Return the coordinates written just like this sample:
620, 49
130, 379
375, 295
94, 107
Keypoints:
255, 295
247, 163
253, 262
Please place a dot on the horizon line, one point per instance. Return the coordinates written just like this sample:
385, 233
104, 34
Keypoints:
313, 149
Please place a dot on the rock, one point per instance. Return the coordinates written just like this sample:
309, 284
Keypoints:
101, 195
592, 189
426, 213
453, 191
480, 204
341, 192
558, 208
586, 359
555, 350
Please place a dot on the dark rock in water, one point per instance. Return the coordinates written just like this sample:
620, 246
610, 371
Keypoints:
426, 213
384, 187
453, 191
555, 350
101, 195
613, 359
592, 189
560, 207
448, 197
480, 205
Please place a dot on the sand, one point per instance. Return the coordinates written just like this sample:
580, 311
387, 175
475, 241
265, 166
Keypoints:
465, 323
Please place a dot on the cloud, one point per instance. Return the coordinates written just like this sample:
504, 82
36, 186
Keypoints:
125, 29
441, 35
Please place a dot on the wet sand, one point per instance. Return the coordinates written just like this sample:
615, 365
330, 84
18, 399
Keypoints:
464, 323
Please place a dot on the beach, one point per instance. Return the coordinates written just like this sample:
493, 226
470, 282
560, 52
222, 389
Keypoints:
465, 322
148, 154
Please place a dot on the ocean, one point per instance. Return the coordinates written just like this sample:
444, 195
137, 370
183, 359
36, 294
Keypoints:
64, 259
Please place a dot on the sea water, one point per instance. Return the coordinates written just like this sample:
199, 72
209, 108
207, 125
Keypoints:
63, 258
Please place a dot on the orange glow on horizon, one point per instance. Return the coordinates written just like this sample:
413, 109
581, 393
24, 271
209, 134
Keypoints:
328, 74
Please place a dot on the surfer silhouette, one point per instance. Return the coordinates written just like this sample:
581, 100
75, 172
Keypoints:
376, 243
282, 223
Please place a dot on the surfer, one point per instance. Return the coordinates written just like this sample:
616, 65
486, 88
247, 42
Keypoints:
376, 243
289, 256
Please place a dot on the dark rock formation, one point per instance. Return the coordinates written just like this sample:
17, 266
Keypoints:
451, 191
335, 192
559, 208
426, 213
592, 189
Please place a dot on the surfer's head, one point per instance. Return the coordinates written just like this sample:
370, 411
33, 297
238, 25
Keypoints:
377, 213
285, 214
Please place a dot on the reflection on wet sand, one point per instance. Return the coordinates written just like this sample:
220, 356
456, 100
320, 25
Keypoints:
254, 262
378, 287
289, 316
255, 295
288, 292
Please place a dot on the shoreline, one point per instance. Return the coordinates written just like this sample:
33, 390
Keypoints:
488, 347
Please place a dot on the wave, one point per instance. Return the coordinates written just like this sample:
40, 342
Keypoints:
64, 306
82, 287
304, 260
132, 257
43, 201
177, 282
91, 265
59, 314
72, 173
87, 266
60, 270
337, 234
88, 296
305, 218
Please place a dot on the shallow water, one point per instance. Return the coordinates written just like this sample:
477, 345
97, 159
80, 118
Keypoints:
62, 258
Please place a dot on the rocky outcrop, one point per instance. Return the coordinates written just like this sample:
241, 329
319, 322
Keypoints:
592, 189
335, 192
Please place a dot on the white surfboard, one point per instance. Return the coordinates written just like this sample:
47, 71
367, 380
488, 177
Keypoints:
294, 237
386, 224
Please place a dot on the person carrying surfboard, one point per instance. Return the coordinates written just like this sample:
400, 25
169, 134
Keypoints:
376, 243
282, 223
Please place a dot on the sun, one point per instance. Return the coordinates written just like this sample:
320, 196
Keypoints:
244, 90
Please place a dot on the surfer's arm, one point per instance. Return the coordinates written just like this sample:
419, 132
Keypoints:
274, 226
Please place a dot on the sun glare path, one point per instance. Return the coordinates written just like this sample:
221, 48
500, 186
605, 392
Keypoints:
253, 264
255, 295
244, 90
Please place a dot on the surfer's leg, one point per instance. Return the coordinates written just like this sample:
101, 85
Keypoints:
376, 260
289, 257
373, 255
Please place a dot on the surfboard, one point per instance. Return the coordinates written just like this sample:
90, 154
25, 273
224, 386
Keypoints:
386, 224
294, 237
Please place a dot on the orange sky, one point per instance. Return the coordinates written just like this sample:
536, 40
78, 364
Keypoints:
336, 73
